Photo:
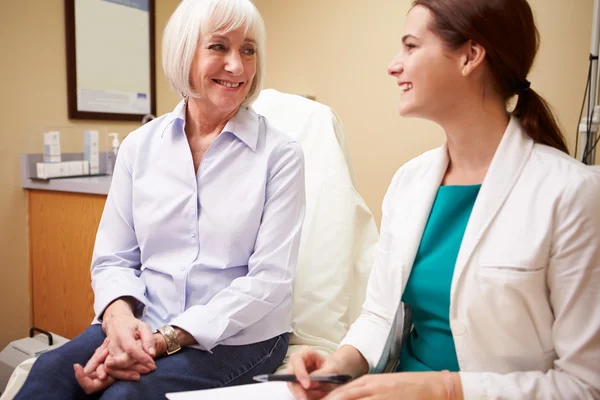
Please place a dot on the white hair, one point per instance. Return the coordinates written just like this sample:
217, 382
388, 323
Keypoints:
194, 18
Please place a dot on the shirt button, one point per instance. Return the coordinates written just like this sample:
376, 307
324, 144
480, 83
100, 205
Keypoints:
182, 268
458, 328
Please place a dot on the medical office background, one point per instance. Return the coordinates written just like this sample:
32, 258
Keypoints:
335, 50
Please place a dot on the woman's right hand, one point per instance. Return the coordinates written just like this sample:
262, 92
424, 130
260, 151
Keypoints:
305, 362
131, 340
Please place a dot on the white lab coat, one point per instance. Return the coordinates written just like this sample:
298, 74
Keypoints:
524, 302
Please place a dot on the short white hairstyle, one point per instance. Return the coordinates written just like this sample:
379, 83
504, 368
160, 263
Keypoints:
194, 18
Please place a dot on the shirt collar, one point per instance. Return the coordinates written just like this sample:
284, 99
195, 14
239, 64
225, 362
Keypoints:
244, 124
179, 111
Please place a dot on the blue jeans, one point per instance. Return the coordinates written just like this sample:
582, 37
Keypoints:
52, 375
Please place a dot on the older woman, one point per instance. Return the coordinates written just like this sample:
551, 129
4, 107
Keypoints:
486, 282
195, 254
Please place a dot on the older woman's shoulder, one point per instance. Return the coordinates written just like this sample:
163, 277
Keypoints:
142, 140
145, 132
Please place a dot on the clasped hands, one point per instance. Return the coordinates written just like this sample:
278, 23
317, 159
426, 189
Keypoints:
128, 352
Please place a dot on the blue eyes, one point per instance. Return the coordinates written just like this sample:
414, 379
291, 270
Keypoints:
218, 47
221, 48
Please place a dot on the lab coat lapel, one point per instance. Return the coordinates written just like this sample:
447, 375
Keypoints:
410, 222
506, 167
413, 206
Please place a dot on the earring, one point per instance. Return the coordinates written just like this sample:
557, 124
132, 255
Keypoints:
465, 71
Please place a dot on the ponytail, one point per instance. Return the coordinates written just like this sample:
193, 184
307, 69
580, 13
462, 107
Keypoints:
538, 120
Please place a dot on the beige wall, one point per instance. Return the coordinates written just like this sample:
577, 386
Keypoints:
33, 93
338, 50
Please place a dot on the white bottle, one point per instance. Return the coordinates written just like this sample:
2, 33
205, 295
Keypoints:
115, 149
115, 143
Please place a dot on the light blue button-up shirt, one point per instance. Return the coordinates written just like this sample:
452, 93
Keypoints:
211, 251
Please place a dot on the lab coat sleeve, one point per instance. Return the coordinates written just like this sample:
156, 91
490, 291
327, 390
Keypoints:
369, 333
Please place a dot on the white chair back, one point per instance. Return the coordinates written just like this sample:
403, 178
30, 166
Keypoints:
339, 237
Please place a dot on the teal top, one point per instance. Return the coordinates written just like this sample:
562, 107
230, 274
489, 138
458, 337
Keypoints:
430, 346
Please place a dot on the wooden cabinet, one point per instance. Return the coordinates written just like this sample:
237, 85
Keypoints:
62, 231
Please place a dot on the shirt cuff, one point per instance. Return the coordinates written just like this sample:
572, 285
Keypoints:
106, 298
206, 329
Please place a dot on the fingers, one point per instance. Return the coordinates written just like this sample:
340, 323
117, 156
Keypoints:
83, 379
133, 372
79, 374
147, 338
123, 374
301, 364
298, 366
126, 350
141, 369
297, 391
300, 393
97, 359
322, 390
317, 394
90, 382
127, 355
119, 361
124, 333
101, 372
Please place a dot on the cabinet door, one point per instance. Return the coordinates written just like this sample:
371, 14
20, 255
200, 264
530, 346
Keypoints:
62, 231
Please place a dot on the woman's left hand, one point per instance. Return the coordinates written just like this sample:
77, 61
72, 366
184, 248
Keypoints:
91, 383
403, 385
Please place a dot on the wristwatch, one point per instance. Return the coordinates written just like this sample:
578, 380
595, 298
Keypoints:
170, 336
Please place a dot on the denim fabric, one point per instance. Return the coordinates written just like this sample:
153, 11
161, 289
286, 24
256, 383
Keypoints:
52, 375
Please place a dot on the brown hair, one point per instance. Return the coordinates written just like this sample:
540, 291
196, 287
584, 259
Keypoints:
507, 31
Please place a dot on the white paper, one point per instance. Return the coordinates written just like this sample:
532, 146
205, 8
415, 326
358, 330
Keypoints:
255, 391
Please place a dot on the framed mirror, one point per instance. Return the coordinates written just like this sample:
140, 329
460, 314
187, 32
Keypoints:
110, 59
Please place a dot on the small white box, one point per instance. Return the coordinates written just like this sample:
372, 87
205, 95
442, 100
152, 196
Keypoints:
91, 151
52, 146
86, 167
40, 170
74, 168
46, 170
62, 169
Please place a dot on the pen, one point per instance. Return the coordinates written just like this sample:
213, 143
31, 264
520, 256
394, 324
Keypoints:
325, 378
